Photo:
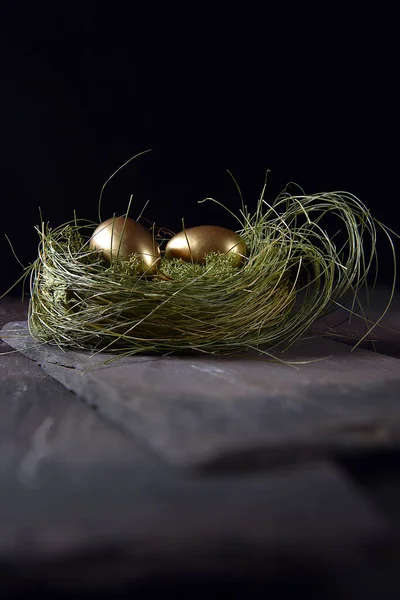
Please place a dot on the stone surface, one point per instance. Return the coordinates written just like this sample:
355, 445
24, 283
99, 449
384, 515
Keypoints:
148, 521
86, 505
201, 410
42, 421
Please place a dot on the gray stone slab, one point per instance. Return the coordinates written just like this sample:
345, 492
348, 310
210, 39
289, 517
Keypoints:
200, 410
148, 521
41, 421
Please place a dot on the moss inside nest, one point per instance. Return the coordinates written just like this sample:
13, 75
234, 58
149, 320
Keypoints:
295, 272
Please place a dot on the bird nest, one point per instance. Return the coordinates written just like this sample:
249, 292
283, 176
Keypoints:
294, 273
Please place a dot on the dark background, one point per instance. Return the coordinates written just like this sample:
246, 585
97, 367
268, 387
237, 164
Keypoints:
310, 96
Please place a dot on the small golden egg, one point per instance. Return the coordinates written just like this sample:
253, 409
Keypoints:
120, 237
193, 244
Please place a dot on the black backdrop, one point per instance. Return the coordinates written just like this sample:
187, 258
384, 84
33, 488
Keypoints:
310, 96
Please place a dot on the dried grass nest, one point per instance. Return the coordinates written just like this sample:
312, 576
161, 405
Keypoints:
294, 273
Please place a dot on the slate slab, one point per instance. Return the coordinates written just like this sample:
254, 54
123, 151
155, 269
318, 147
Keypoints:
41, 421
135, 522
203, 410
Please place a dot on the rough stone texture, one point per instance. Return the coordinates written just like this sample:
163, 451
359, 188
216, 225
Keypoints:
42, 421
86, 506
195, 410
149, 522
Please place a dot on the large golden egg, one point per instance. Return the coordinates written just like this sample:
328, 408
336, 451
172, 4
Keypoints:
193, 244
120, 237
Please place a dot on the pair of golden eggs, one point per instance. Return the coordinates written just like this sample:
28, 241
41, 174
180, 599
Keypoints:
121, 237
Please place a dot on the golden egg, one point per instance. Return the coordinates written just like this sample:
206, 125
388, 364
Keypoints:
120, 237
193, 244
